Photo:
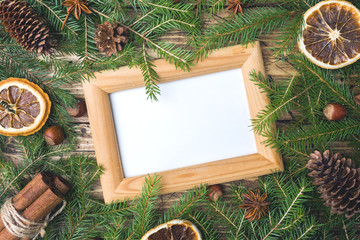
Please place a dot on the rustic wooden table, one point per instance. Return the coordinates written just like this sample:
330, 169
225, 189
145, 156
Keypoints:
277, 69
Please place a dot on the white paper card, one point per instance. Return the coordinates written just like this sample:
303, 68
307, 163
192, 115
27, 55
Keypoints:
196, 120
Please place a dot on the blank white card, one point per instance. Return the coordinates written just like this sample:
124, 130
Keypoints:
196, 120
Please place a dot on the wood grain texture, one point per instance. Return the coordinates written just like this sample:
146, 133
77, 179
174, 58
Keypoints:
115, 186
126, 78
104, 137
210, 173
257, 102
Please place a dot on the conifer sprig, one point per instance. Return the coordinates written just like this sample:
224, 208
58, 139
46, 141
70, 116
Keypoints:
186, 204
287, 218
146, 27
145, 208
242, 29
34, 156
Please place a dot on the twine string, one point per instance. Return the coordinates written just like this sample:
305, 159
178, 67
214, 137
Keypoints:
21, 227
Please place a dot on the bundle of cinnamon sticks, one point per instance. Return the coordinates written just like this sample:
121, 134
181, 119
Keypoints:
37, 199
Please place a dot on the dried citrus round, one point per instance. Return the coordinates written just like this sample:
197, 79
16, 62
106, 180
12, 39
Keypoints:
24, 107
174, 229
331, 34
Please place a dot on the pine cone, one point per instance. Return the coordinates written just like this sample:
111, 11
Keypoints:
338, 180
25, 25
108, 38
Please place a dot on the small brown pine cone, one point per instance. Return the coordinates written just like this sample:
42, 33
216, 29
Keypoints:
109, 37
25, 25
338, 181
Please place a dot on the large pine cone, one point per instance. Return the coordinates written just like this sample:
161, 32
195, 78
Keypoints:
338, 180
109, 37
25, 25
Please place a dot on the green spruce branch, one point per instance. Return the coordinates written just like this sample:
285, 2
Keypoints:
287, 218
242, 29
145, 208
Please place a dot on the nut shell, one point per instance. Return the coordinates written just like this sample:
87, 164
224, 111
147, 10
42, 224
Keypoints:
215, 192
54, 135
78, 110
335, 111
357, 99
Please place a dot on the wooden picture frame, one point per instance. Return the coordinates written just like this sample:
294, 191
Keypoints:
116, 186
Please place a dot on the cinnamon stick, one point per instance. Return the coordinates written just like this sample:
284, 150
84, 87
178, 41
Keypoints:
32, 191
38, 210
61, 185
44, 205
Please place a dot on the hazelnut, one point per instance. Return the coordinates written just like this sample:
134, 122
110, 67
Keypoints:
334, 111
54, 135
78, 110
215, 192
357, 99
356, 90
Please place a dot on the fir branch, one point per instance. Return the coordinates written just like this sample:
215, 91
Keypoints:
285, 214
241, 30
239, 228
263, 117
80, 218
198, 223
186, 204
9, 45
142, 17
223, 215
290, 35
32, 153
115, 208
74, 76
282, 190
290, 86
345, 230
150, 76
12, 63
116, 10
201, 220
216, 6
306, 232
153, 43
147, 36
167, 22
312, 113
86, 37
320, 77
144, 211
292, 223
25, 170
167, 7
328, 131
53, 12
262, 82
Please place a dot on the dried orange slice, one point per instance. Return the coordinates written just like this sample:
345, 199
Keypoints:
24, 107
331, 34
176, 229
